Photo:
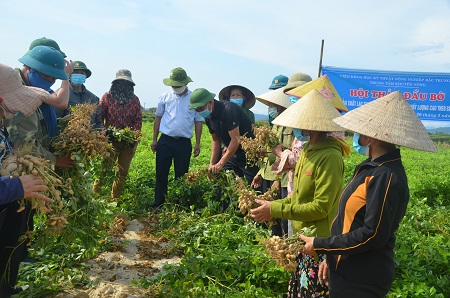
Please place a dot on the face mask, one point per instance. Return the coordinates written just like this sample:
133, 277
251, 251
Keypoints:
179, 90
364, 150
238, 101
36, 80
78, 79
298, 133
293, 99
273, 112
205, 113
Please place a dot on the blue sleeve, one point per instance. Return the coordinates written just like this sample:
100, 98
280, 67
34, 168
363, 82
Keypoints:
10, 189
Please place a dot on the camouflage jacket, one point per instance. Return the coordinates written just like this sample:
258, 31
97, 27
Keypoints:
30, 132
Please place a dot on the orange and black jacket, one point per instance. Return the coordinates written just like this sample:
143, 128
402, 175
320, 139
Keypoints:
371, 207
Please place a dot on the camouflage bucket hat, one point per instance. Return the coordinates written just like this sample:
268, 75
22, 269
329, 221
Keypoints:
123, 74
48, 42
79, 65
200, 97
178, 77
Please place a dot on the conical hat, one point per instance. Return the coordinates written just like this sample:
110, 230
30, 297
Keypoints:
311, 112
276, 96
324, 86
390, 119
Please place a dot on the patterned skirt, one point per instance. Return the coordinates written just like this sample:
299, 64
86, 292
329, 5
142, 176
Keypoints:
304, 281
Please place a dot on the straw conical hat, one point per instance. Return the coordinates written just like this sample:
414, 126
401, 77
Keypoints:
311, 112
324, 86
390, 119
276, 96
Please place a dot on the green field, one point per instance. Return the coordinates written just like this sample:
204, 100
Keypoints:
222, 254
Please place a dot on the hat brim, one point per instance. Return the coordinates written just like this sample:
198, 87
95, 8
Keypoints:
249, 97
389, 119
311, 112
24, 100
124, 78
203, 102
293, 85
45, 69
276, 96
173, 83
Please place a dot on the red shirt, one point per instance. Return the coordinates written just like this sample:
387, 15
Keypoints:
121, 116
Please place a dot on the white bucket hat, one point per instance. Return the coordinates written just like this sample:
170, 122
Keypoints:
311, 112
389, 119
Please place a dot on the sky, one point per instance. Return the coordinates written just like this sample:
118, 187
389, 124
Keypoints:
220, 43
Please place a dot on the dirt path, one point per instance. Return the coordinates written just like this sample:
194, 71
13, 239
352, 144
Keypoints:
115, 274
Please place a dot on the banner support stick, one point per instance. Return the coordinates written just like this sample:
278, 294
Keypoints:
321, 56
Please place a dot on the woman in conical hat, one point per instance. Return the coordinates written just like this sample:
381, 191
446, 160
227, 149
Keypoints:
360, 249
319, 179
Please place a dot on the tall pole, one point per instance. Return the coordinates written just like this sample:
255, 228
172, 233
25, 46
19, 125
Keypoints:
321, 56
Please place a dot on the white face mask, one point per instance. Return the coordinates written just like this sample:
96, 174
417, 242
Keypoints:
179, 90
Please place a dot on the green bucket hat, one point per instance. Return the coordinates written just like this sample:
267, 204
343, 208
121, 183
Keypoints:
200, 97
46, 60
178, 77
123, 74
79, 65
297, 79
48, 42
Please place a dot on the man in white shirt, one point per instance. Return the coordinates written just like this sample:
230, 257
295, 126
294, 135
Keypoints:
176, 122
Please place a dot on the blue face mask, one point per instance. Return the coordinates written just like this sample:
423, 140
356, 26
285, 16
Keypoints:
205, 113
78, 79
238, 101
273, 112
364, 150
36, 80
293, 99
298, 133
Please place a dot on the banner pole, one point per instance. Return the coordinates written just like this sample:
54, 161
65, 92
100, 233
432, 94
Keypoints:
321, 56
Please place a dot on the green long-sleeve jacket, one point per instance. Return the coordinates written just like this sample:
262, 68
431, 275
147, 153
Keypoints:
318, 183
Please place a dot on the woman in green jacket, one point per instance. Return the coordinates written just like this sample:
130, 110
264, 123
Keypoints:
317, 184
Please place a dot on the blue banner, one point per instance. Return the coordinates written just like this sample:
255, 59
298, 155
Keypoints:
425, 92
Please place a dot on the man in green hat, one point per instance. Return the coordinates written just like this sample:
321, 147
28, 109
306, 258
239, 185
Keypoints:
226, 122
175, 121
79, 94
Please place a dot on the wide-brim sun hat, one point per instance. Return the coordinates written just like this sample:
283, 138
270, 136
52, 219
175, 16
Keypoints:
249, 97
276, 96
297, 79
15, 97
324, 86
200, 97
389, 119
278, 82
80, 65
46, 60
124, 74
178, 77
311, 112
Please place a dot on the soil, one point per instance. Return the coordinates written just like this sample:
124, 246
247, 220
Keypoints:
137, 254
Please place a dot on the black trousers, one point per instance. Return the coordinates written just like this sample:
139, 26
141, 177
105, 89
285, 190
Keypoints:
168, 149
238, 164
13, 252
342, 287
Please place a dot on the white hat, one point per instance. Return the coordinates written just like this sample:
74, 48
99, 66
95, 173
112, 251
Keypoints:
389, 119
311, 112
276, 96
